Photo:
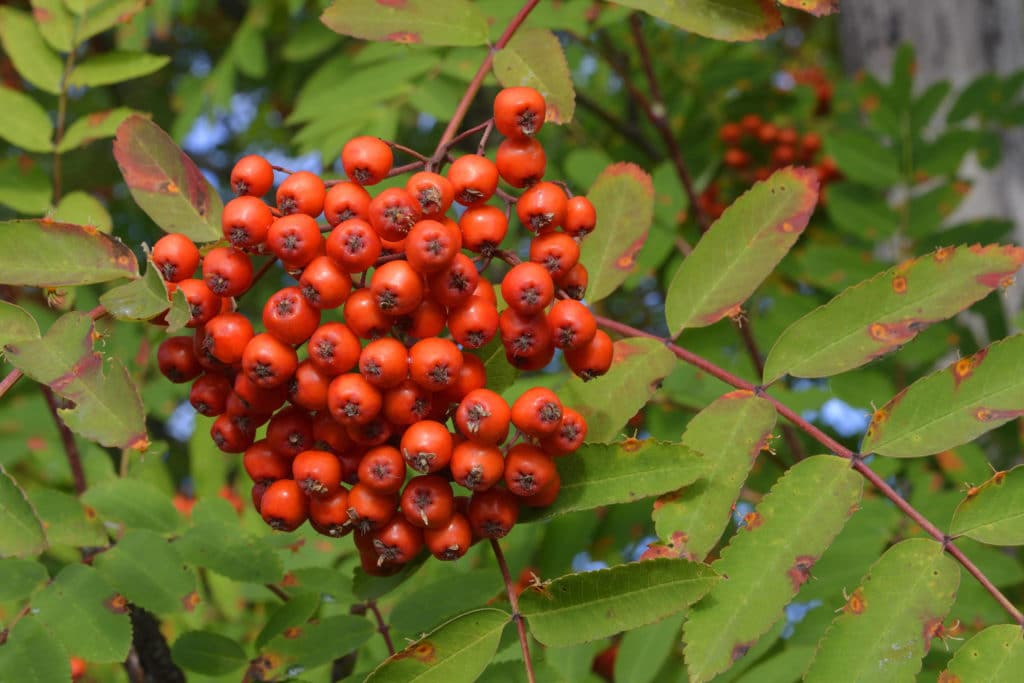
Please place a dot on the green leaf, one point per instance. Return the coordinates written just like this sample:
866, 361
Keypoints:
24, 123
456, 651
332, 585
148, 570
991, 655
47, 254
20, 578
16, 324
24, 186
741, 249
315, 644
165, 182
249, 51
768, 561
222, 547
881, 314
733, 20
94, 126
577, 608
903, 596
97, 17
623, 196
534, 58
21, 532
943, 156
818, 8
32, 57
55, 23
208, 653
643, 651
861, 211
426, 22
107, 407
427, 606
133, 504
500, 373
140, 299
924, 107
295, 612
608, 474
784, 667
952, 406
608, 401
82, 208
994, 514
861, 158
85, 614
733, 429
66, 521
115, 67
32, 655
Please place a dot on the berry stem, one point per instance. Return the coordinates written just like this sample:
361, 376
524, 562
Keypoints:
382, 627
474, 86
9, 381
408, 150
513, 600
480, 148
837, 448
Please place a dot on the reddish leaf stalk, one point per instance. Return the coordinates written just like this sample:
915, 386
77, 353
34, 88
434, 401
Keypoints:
68, 439
382, 627
474, 86
513, 600
834, 446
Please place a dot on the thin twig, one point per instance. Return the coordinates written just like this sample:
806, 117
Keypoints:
834, 446
411, 166
58, 135
9, 381
483, 138
627, 131
382, 627
278, 591
478, 79
68, 439
408, 150
517, 617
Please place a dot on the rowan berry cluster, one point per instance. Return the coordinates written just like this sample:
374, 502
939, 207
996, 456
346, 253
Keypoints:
755, 148
370, 419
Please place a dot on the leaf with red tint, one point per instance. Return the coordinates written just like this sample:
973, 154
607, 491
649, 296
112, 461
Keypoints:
952, 406
882, 313
818, 8
623, 196
165, 182
741, 249
107, 407
733, 20
42, 253
429, 22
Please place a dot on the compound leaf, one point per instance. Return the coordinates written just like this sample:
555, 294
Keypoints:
732, 430
881, 314
741, 249
994, 513
165, 182
888, 620
32, 57
535, 58
952, 406
577, 608
768, 561
426, 22
623, 196
115, 67
608, 474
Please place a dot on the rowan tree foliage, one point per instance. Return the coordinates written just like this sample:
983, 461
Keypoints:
561, 340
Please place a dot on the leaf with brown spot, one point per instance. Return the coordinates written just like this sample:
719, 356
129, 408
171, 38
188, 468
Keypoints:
733, 429
994, 512
42, 253
165, 182
799, 518
991, 655
733, 20
873, 318
148, 569
534, 58
818, 8
952, 406
429, 22
741, 249
911, 585
107, 406
623, 196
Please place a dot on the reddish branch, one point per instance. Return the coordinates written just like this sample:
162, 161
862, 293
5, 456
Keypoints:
382, 626
834, 446
513, 600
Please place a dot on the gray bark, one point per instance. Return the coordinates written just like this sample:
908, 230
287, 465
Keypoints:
955, 40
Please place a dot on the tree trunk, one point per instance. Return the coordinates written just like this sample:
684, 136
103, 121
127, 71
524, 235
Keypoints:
956, 40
